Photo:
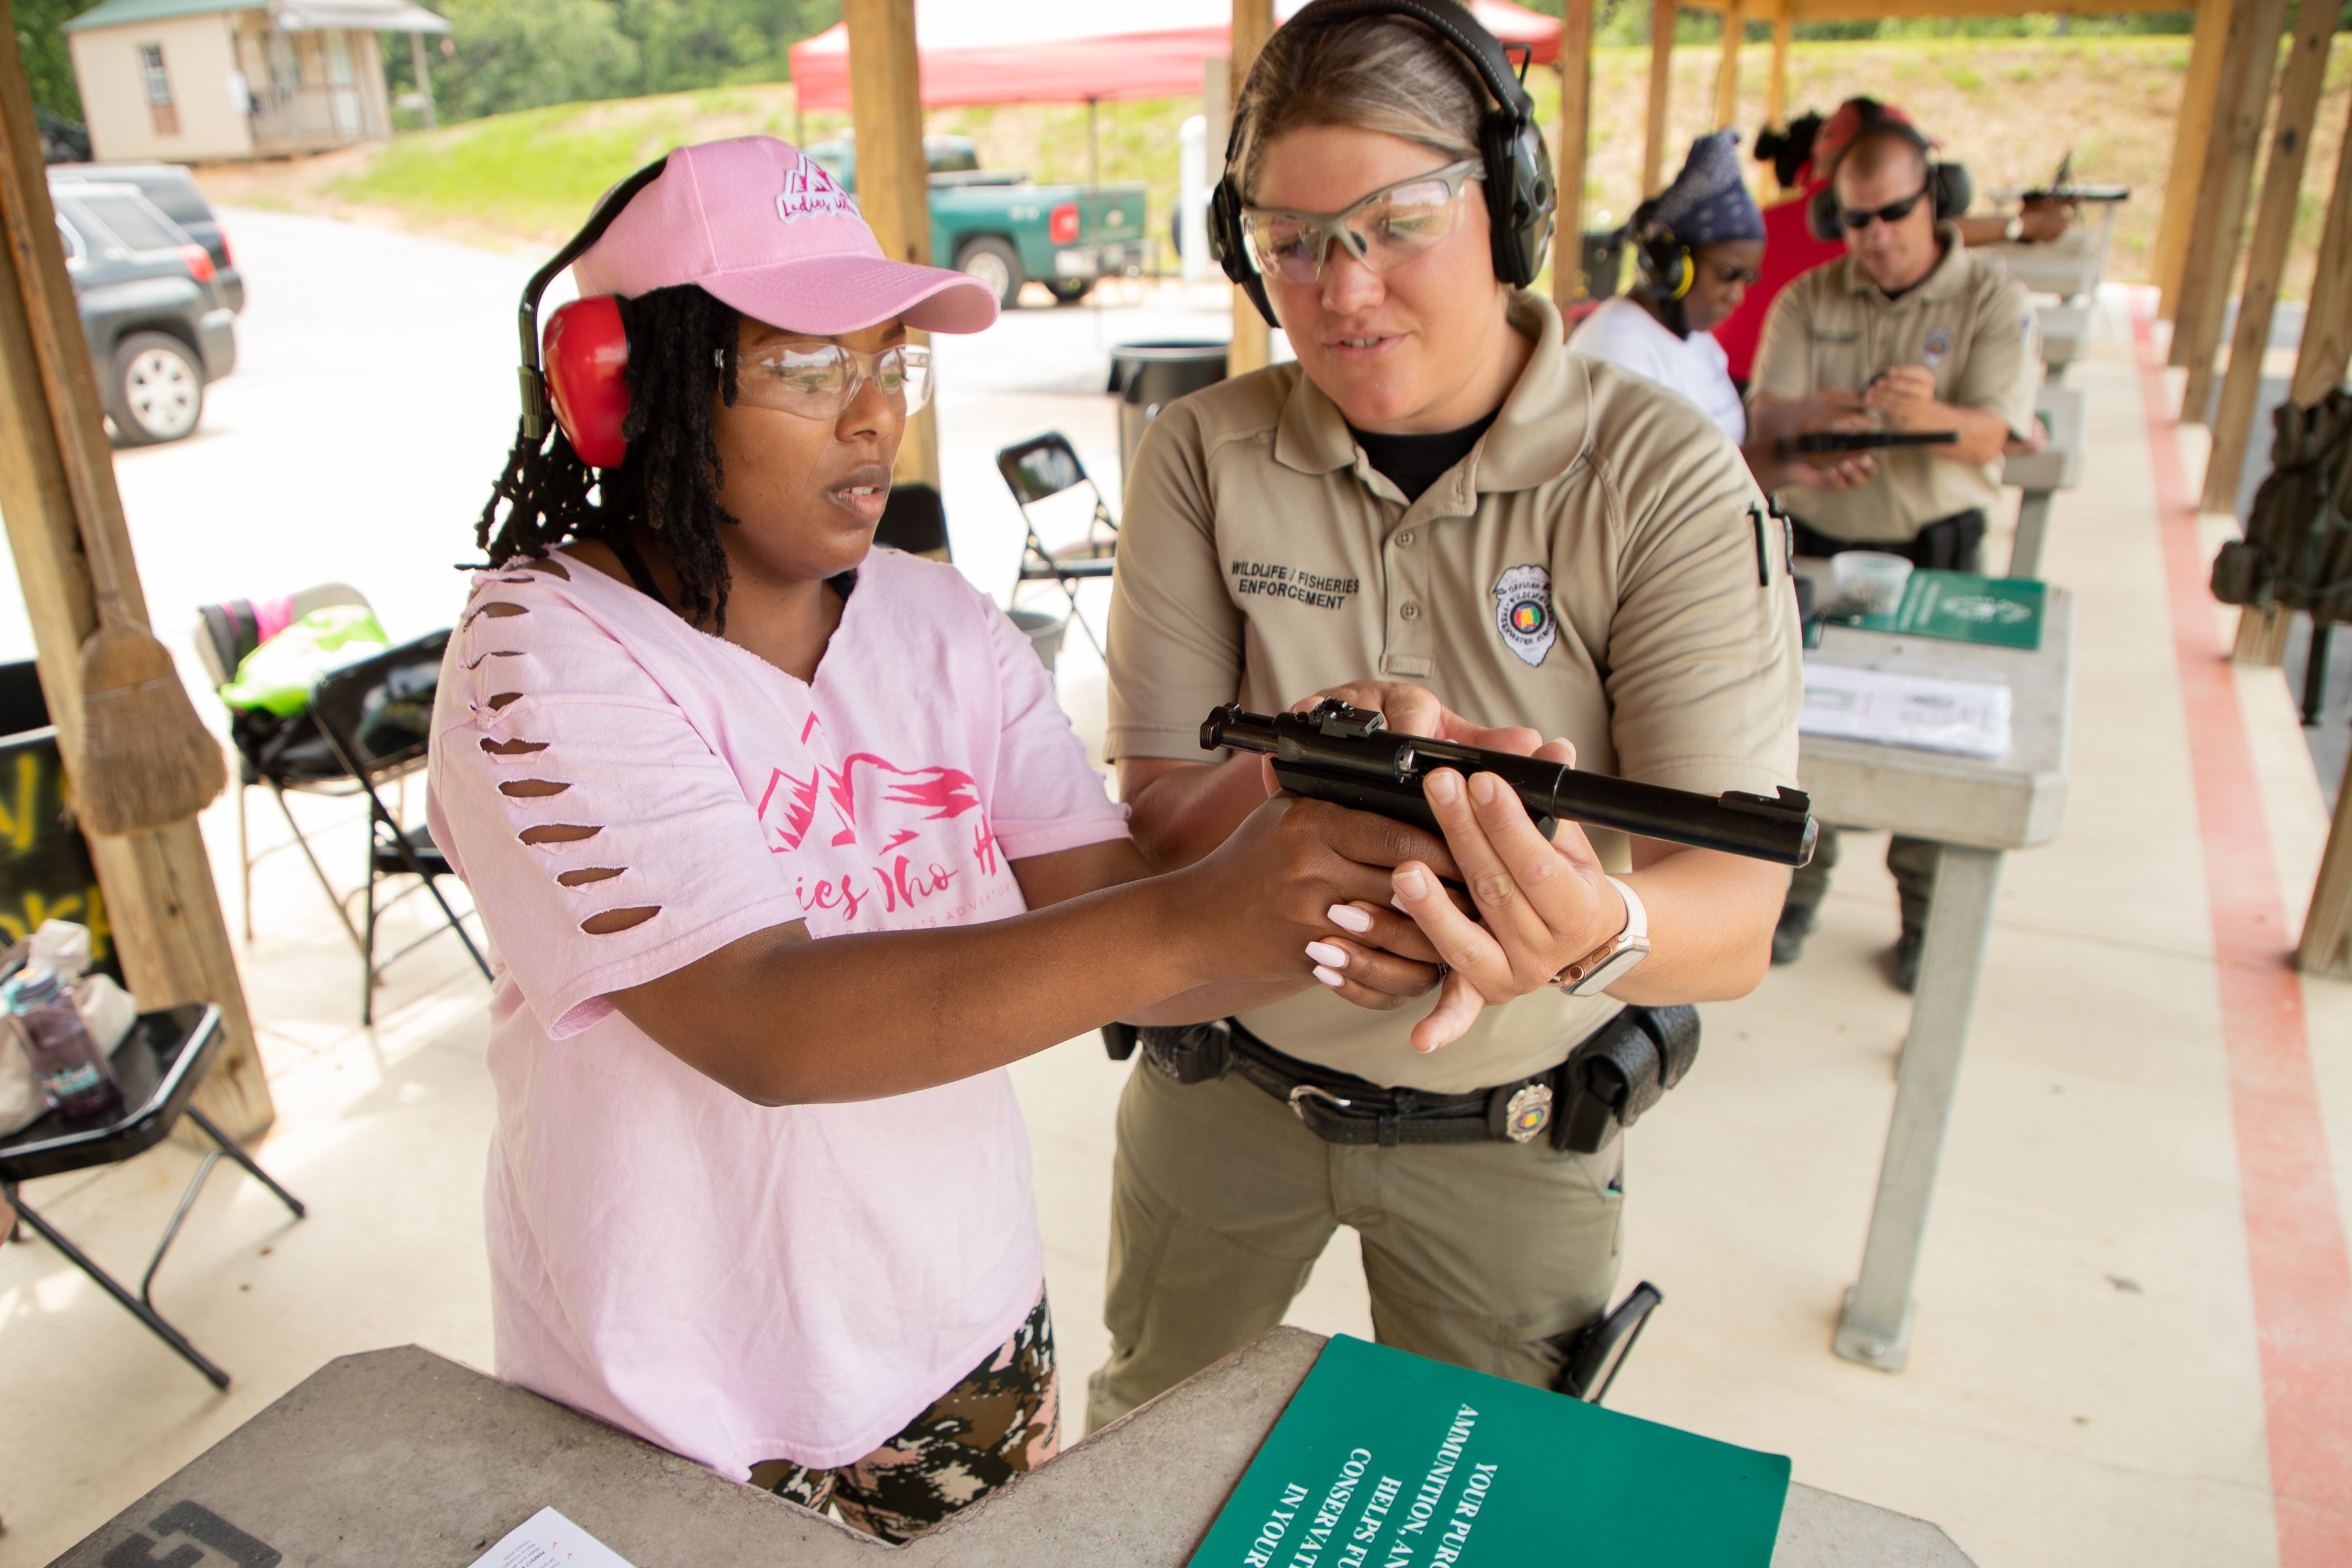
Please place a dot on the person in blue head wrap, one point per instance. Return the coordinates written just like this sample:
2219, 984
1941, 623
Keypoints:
1699, 247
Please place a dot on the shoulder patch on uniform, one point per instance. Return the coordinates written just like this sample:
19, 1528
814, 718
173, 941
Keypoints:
1523, 611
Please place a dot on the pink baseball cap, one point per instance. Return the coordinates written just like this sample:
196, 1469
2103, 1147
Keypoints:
759, 224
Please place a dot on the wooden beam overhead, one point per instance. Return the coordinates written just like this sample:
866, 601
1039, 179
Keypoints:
2290, 150
1890, 10
1575, 68
56, 490
2192, 126
1661, 60
1252, 344
2326, 352
1726, 66
2248, 59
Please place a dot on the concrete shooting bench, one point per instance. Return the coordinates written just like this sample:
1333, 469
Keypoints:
2069, 268
2057, 467
399, 1455
1977, 810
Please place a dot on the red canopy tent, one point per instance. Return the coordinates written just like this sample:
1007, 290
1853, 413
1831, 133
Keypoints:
1071, 51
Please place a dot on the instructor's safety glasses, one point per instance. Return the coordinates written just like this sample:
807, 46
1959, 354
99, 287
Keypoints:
817, 381
1383, 231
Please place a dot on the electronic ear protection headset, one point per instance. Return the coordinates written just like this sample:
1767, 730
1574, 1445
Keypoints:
1948, 185
587, 346
1511, 146
1666, 265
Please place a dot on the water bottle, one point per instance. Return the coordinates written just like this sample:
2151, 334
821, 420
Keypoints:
72, 1070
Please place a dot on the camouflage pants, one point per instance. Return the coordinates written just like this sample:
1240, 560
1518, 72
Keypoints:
1002, 1419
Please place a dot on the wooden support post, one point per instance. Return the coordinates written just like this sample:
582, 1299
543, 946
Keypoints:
1575, 66
2192, 127
1727, 68
2298, 109
1661, 60
894, 184
1776, 86
2261, 636
2211, 261
2326, 945
2319, 367
2327, 350
56, 485
1252, 345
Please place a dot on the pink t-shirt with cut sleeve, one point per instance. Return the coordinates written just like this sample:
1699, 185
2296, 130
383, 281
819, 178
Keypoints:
736, 1282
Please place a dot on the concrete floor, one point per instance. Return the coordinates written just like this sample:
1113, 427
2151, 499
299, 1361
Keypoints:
2085, 1384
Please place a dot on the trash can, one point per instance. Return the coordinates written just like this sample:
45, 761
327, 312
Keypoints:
1604, 262
1146, 376
1044, 633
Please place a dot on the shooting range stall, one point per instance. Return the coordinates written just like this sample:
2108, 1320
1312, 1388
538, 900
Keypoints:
399, 1455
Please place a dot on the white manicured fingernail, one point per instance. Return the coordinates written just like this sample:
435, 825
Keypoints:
1348, 917
1411, 885
1331, 977
1329, 957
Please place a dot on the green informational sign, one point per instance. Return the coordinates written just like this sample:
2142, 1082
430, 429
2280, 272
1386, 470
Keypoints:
1961, 606
1386, 1460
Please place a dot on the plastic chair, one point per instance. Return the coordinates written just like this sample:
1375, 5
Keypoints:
157, 1067
377, 717
1036, 470
285, 754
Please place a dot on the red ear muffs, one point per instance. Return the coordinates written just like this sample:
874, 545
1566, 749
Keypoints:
585, 350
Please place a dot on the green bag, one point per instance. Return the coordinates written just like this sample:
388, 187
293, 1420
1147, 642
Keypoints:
275, 677
2298, 551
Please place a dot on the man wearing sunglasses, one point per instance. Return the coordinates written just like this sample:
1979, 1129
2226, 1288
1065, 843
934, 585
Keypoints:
1916, 333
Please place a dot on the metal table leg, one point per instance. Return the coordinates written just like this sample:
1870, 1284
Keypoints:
135, 1305
2032, 527
1875, 1329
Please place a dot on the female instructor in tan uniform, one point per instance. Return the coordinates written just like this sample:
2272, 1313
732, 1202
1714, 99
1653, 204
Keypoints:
1439, 512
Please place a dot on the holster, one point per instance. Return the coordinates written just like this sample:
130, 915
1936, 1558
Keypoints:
1619, 1072
1193, 1053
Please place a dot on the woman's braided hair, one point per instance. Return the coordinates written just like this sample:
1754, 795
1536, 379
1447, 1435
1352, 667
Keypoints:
682, 351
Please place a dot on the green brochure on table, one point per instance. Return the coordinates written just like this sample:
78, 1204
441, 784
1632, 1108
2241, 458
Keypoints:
1961, 606
1387, 1460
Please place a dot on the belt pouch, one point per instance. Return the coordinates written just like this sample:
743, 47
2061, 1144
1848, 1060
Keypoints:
1195, 1053
1619, 1072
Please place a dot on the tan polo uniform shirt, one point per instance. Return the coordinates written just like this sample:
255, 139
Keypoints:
1968, 320
1590, 568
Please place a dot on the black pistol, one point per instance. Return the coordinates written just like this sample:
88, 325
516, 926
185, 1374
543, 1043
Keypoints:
1348, 757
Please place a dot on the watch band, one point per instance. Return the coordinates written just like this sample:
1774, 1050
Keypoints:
1608, 962
2013, 231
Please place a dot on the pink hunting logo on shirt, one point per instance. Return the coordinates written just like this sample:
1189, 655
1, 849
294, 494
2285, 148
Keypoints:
809, 192
908, 825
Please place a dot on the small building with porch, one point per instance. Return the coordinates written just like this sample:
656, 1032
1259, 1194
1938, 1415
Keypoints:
179, 81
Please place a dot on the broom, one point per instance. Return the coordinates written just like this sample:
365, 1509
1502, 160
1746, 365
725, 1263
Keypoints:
147, 761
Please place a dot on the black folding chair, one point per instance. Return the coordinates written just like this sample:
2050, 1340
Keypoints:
157, 1067
914, 521
1037, 470
377, 716
285, 754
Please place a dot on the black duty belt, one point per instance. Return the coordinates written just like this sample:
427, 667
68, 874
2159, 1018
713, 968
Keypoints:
1607, 1082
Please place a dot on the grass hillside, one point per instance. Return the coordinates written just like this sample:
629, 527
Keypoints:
2009, 107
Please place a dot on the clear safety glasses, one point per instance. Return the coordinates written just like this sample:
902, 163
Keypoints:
1383, 231
817, 381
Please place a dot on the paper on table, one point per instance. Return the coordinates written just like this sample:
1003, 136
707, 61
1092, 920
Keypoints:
1930, 712
547, 1539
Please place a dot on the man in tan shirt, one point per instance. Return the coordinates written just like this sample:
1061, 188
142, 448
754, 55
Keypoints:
1920, 333
1440, 512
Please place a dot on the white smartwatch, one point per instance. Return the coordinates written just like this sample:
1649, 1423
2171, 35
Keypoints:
1614, 959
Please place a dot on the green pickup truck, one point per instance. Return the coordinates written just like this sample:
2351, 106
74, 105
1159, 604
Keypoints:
1006, 230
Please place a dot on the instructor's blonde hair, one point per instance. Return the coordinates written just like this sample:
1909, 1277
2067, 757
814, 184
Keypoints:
1389, 74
